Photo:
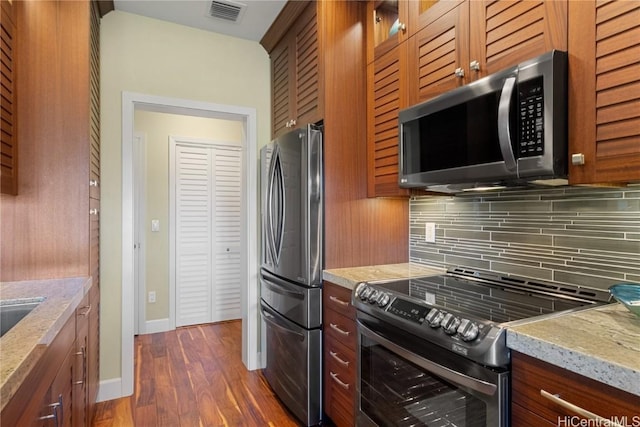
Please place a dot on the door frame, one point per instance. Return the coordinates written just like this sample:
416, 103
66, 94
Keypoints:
249, 288
139, 150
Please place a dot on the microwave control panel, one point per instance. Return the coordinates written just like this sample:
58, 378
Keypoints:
531, 118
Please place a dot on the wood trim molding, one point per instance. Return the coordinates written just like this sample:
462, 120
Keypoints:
283, 22
105, 6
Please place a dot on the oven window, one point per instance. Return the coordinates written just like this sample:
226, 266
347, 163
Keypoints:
396, 392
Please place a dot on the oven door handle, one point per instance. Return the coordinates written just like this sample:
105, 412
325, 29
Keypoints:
442, 371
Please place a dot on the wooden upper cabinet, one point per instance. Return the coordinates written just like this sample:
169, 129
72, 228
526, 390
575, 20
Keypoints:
477, 38
437, 54
505, 33
387, 95
8, 117
604, 91
295, 75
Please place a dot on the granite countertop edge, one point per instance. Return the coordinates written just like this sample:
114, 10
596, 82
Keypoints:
604, 371
601, 343
23, 345
349, 277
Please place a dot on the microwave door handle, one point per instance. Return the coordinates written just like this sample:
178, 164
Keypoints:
504, 133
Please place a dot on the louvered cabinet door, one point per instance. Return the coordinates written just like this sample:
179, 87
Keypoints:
308, 100
8, 140
281, 87
437, 55
505, 33
604, 91
295, 75
387, 95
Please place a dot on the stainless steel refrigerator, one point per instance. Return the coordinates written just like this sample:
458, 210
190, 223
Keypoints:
291, 271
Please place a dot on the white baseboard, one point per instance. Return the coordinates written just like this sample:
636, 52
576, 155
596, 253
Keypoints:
159, 325
109, 390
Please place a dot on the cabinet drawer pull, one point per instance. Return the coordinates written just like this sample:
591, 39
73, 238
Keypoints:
338, 301
93, 183
340, 383
459, 72
339, 360
474, 65
578, 410
337, 329
93, 211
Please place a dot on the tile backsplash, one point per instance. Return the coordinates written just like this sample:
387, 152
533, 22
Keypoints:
578, 235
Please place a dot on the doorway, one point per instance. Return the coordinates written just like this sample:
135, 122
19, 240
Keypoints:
249, 220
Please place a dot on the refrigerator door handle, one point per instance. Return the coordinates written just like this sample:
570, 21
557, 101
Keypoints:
283, 209
273, 321
269, 229
275, 287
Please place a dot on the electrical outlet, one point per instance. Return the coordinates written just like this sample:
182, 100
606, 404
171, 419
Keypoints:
152, 296
430, 232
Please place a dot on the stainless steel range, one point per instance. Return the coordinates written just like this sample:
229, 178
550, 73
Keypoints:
432, 350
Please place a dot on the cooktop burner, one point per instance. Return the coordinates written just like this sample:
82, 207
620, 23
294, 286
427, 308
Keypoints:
467, 311
484, 300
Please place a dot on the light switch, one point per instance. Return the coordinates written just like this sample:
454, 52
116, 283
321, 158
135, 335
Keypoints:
155, 225
430, 232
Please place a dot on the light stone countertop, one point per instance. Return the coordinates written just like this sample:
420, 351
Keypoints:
601, 343
23, 345
351, 276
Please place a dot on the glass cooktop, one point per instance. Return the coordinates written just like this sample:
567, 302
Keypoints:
490, 300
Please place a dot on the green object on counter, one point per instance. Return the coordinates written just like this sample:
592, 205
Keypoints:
629, 295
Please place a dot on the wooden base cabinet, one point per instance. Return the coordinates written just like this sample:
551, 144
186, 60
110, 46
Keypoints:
339, 328
544, 394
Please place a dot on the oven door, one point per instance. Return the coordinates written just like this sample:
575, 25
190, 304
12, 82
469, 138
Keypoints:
405, 381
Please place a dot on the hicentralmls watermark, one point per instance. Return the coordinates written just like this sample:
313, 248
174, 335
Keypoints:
623, 421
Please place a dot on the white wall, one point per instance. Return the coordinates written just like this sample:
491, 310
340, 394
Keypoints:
152, 57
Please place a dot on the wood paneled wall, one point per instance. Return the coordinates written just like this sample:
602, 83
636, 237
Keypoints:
45, 228
358, 230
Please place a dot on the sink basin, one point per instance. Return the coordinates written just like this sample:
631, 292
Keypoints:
11, 312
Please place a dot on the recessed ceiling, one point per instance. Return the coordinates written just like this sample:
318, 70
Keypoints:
254, 17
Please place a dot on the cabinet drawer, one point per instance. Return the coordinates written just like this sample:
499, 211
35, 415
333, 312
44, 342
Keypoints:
533, 379
523, 417
341, 328
341, 360
340, 382
338, 299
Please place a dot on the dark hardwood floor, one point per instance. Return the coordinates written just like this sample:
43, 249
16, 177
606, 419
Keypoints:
194, 377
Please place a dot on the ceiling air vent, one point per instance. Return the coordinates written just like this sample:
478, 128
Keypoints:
227, 10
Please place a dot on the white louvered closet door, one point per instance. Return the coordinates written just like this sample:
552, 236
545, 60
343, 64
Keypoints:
208, 190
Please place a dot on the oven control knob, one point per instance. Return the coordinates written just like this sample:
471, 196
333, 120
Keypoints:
359, 289
468, 330
450, 324
434, 317
383, 299
365, 292
373, 296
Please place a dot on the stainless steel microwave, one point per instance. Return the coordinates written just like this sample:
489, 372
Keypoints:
508, 128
